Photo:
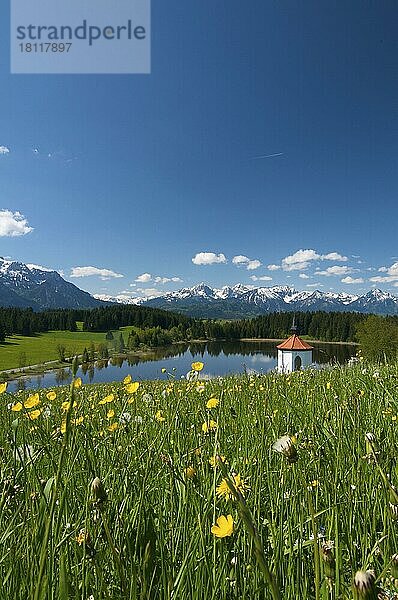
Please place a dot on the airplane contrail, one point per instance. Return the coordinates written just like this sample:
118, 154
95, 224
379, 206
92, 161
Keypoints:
267, 155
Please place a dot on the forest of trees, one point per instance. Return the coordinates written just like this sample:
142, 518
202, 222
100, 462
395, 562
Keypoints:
159, 327
18, 321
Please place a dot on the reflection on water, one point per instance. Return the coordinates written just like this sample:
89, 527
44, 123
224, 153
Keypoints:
220, 358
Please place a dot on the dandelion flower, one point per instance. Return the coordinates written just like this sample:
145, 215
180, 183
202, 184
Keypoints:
223, 490
127, 380
3, 387
190, 472
51, 396
113, 427
214, 460
197, 366
212, 403
224, 527
364, 584
77, 383
110, 414
209, 426
16, 407
284, 445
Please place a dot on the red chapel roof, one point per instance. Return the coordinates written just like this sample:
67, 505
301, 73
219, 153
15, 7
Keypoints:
294, 343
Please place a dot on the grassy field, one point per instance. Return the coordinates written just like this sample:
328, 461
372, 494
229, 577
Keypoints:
43, 347
166, 520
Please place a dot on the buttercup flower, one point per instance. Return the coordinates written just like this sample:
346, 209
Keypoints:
224, 527
197, 366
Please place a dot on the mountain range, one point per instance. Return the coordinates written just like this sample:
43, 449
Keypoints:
240, 301
23, 285
26, 286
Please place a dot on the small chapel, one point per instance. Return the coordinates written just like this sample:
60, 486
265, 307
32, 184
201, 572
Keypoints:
294, 353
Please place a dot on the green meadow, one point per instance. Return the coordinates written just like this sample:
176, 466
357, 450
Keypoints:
42, 347
257, 487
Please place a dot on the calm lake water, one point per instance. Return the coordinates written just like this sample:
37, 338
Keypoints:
219, 358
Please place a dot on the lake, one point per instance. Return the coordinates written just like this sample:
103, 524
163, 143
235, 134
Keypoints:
219, 358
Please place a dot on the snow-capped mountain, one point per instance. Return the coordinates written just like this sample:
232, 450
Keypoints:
241, 301
25, 286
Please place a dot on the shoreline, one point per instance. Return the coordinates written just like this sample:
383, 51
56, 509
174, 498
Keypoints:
36, 370
305, 339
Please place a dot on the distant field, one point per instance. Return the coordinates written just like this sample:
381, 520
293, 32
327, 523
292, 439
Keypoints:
43, 347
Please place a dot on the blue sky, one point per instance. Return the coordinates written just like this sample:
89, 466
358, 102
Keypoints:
160, 174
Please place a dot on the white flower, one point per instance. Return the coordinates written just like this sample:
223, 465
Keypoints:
125, 418
283, 444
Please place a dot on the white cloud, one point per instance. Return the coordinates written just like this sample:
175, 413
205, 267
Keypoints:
167, 280
335, 270
144, 278
4, 150
262, 278
249, 263
273, 267
147, 277
392, 274
304, 276
104, 274
300, 260
334, 256
208, 258
13, 224
352, 280
314, 285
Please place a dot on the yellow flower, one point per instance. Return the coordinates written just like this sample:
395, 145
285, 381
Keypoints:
212, 403
131, 388
51, 396
197, 366
314, 483
16, 407
34, 414
32, 401
224, 527
63, 427
190, 472
3, 387
113, 427
107, 399
328, 385
66, 406
83, 537
110, 414
209, 426
127, 379
159, 417
78, 421
214, 460
224, 491
77, 383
